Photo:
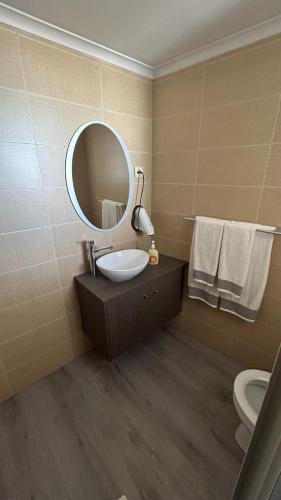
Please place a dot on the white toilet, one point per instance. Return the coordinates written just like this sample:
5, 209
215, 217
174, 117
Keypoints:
248, 394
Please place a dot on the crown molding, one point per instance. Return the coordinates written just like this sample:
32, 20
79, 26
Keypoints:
238, 40
43, 29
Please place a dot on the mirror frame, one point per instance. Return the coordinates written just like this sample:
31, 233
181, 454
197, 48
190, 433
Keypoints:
69, 176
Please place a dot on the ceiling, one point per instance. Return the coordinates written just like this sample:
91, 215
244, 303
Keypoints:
152, 31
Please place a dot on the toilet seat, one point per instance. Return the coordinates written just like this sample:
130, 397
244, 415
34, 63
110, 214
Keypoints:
245, 410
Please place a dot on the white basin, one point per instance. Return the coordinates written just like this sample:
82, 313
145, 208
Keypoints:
123, 265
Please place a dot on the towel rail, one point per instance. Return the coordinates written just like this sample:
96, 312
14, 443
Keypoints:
277, 231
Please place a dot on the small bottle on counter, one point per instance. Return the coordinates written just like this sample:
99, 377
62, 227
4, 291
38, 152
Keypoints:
153, 254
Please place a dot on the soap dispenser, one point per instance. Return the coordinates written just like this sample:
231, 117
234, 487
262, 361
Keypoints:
153, 254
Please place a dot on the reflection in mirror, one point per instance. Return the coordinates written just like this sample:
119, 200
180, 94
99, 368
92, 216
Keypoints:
98, 175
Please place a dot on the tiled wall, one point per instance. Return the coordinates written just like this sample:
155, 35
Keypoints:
217, 152
46, 92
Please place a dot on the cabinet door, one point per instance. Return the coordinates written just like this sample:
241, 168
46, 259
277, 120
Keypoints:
129, 319
166, 293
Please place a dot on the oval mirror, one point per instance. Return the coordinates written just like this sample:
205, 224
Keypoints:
99, 175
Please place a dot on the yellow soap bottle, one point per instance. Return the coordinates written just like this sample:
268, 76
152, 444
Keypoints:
153, 255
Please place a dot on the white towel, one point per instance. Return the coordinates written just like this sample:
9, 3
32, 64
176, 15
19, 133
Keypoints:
198, 290
112, 212
248, 304
207, 238
236, 251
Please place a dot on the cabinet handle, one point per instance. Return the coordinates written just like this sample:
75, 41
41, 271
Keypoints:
146, 296
155, 292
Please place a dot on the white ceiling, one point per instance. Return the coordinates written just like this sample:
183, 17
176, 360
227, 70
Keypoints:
152, 31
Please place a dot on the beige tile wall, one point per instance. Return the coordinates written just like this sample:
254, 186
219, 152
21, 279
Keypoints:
46, 92
217, 152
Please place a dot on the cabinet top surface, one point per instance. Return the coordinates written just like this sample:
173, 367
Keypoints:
105, 289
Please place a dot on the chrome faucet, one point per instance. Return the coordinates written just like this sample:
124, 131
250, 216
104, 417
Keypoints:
92, 250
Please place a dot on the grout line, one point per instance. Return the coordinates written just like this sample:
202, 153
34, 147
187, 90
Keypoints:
27, 332
173, 183
218, 106
232, 337
57, 269
185, 242
63, 145
5, 141
6, 378
199, 137
49, 349
225, 335
48, 226
214, 148
140, 152
27, 267
106, 110
211, 326
30, 188
241, 101
240, 186
268, 158
180, 214
18, 304
175, 115
25, 230
101, 93
55, 188
49, 97
23, 90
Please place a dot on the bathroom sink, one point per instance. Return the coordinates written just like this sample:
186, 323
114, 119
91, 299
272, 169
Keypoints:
123, 265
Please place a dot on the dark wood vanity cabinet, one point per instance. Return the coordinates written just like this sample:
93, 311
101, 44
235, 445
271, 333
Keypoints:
118, 315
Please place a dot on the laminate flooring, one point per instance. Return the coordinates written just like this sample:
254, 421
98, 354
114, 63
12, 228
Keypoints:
155, 424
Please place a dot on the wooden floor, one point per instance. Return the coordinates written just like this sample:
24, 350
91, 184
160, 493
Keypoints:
156, 424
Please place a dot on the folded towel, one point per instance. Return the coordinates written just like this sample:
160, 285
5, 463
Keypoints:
236, 250
199, 290
247, 305
207, 237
